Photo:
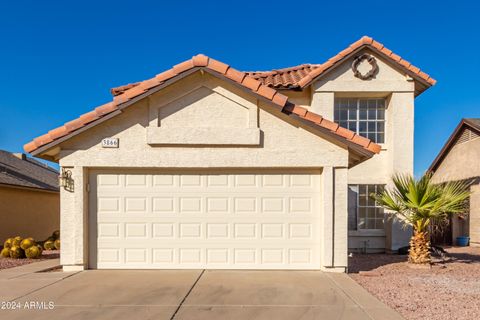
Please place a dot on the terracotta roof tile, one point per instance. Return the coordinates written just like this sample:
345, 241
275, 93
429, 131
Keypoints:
168, 74
377, 45
183, 66
29, 147
295, 109
200, 60
330, 125
345, 52
266, 92
405, 63
44, 139
89, 117
218, 66
58, 132
122, 89
279, 99
364, 142
293, 77
283, 78
386, 51
235, 75
347, 134
106, 108
150, 83
249, 82
374, 45
395, 57
313, 117
74, 125
374, 147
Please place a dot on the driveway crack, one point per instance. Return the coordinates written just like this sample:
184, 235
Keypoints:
188, 293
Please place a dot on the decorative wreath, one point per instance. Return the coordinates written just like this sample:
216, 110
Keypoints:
371, 60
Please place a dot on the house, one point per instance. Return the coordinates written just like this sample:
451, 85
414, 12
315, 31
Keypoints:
29, 197
458, 161
204, 166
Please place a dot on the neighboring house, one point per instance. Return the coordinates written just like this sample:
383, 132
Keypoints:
459, 161
204, 166
29, 197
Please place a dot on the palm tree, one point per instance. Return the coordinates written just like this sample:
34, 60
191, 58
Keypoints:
417, 203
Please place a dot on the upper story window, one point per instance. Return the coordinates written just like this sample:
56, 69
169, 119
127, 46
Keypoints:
366, 117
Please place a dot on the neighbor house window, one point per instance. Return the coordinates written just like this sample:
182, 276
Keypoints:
365, 117
363, 211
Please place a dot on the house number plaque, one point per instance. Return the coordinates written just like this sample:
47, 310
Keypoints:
110, 143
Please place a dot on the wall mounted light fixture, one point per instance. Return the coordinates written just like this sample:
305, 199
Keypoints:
65, 180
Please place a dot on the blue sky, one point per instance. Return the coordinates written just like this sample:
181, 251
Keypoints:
58, 59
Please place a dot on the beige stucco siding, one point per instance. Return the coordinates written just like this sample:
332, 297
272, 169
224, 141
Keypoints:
283, 142
397, 151
28, 213
474, 218
461, 162
202, 102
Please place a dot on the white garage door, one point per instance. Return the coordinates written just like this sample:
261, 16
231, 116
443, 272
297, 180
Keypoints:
235, 220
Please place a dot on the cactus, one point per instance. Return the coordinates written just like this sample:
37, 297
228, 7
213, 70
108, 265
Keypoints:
40, 248
5, 252
56, 234
8, 243
16, 252
49, 245
27, 243
16, 241
33, 252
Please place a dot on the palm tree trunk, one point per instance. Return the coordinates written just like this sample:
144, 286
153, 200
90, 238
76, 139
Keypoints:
419, 252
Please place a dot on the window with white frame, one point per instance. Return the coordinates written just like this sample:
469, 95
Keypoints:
366, 117
363, 211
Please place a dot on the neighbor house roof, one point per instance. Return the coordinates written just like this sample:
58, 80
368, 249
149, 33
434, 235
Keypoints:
216, 68
299, 77
471, 123
18, 170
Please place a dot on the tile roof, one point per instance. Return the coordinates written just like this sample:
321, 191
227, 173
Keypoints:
286, 78
376, 47
303, 75
217, 68
20, 171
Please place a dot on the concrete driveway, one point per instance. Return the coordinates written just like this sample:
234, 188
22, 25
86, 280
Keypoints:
188, 294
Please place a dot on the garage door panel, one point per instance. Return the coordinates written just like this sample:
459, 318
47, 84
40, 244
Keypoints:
215, 257
238, 220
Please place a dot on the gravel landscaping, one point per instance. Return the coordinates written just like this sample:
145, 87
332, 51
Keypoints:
6, 263
448, 290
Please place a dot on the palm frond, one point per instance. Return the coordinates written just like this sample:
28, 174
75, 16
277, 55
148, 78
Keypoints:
417, 202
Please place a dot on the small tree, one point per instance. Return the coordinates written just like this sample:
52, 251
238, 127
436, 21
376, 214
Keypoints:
417, 203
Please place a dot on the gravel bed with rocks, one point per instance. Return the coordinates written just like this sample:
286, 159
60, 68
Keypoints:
450, 289
6, 263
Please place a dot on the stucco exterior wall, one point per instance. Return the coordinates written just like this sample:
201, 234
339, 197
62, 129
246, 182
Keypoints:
397, 151
283, 143
461, 162
474, 217
28, 213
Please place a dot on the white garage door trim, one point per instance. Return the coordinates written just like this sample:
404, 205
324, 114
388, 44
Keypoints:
184, 219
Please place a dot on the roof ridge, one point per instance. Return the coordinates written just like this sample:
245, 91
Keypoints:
286, 69
377, 47
451, 142
203, 62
